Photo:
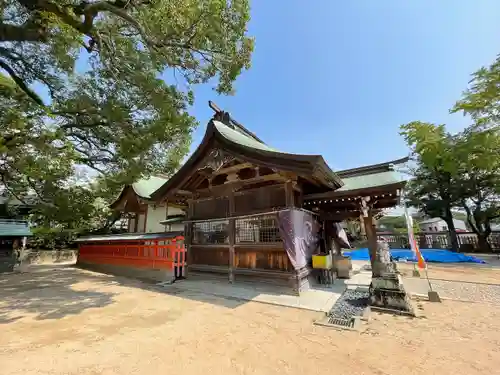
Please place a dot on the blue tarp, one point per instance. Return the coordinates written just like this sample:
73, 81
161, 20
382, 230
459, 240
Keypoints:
430, 255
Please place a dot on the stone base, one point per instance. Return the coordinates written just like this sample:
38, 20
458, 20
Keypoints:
387, 293
342, 266
433, 296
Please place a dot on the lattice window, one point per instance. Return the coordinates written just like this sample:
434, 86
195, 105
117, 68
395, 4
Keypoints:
211, 232
257, 229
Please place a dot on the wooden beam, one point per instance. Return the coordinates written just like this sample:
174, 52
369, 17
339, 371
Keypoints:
289, 195
234, 185
234, 168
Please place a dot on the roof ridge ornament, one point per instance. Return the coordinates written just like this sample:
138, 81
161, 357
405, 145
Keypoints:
227, 120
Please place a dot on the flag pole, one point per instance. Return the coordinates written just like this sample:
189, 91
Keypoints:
433, 296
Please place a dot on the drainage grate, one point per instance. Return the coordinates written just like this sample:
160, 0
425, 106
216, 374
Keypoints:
347, 323
350, 304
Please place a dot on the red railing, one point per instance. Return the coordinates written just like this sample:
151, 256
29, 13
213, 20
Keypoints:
160, 253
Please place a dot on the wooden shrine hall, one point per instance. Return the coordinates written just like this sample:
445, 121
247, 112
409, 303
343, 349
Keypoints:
256, 213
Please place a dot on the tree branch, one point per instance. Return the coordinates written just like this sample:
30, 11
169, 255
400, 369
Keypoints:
21, 83
26, 33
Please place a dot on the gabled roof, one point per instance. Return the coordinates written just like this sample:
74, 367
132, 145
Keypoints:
143, 189
147, 186
370, 177
242, 144
372, 169
370, 181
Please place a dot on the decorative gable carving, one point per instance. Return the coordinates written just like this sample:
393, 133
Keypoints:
215, 161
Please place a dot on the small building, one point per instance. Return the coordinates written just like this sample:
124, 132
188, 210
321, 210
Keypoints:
13, 236
143, 214
252, 213
437, 224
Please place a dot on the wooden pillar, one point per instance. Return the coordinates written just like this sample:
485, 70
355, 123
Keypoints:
232, 236
146, 217
136, 222
188, 236
289, 194
362, 230
371, 236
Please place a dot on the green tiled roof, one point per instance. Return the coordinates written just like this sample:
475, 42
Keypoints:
14, 228
241, 138
145, 187
370, 180
173, 219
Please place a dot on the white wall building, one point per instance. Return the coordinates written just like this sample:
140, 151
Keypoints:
439, 225
144, 215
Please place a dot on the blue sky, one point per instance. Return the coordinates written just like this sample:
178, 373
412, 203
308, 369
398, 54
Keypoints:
338, 78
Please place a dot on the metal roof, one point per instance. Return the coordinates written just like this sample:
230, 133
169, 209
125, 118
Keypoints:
173, 219
129, 236
14, 228
240, 138
370, 180
147, 186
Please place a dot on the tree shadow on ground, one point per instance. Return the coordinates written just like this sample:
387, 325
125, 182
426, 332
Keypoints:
47, 293
176, 291
171, 290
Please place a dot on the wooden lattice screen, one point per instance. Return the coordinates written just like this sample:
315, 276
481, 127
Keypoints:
211, 208
259, 199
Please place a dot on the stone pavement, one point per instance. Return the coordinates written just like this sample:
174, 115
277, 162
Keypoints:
322, 298
318, 298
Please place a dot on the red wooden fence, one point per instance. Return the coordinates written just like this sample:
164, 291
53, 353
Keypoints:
159, 253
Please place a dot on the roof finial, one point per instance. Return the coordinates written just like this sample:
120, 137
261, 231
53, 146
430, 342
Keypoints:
220, 115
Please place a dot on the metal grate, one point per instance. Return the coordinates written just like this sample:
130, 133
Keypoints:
211, 232
257, 229
348, 323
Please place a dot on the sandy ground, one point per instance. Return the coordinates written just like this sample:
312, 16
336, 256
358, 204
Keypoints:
69, 321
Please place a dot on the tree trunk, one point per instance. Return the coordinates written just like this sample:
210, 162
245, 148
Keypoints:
451, 230
482, 241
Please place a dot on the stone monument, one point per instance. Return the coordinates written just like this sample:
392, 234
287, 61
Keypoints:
386, 289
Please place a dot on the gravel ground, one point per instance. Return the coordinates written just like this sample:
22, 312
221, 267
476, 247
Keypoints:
467, 291
456, 272
351, 303
76, 322
460, 282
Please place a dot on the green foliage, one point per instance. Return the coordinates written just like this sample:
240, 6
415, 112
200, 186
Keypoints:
391, 223
480, 149
432, 189
482, 98
117, 116
53, 238
459, 170
396, 224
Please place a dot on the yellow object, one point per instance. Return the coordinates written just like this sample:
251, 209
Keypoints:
323, 262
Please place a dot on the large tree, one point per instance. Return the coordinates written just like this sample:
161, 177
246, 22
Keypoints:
456, 171
119, 77
481, 101
478, 152
432, 188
